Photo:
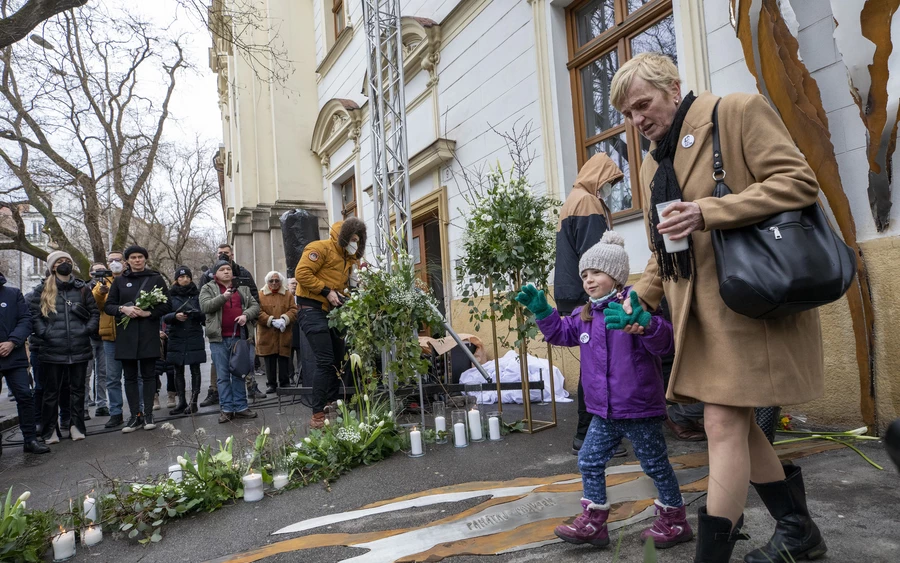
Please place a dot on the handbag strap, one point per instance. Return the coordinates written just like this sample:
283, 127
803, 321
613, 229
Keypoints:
718, 162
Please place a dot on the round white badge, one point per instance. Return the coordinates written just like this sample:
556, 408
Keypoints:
688, 141
128, 284
3, 305
585, 337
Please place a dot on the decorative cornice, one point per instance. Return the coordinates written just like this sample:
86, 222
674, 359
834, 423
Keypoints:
421, 39
331, 57
427, 159
339, 119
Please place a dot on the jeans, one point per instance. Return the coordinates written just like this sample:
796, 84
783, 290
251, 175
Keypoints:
96, 367
54, 377
140, 393
17, 381
113, 379
277, 370
646, 436
232, 391
328, 345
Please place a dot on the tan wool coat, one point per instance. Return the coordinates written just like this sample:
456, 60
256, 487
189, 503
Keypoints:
269, 340
722, 357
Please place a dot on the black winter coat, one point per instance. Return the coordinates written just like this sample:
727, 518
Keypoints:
140, 339
15, 325
65, 336
186, 343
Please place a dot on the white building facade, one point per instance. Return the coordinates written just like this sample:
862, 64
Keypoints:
476, 66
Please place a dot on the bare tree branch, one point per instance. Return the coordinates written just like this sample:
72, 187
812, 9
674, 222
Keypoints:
30, 15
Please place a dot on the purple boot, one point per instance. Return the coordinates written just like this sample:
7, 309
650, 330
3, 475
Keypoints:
590, 527
670, 528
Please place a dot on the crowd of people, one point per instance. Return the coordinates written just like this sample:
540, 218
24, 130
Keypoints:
71, 344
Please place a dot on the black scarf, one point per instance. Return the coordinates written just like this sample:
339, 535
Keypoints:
189, 290
664, 187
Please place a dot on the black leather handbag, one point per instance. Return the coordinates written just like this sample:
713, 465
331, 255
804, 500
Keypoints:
791, 262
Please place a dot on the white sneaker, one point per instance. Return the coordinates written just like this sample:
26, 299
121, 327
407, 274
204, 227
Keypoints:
76, 434
53, 439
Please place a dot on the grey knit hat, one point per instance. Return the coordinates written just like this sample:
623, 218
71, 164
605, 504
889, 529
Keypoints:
56, 255
608, 256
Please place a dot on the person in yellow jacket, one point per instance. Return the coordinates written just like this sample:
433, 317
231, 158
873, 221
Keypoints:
322, 275
116, 264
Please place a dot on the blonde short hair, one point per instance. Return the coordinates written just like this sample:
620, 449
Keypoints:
655, 68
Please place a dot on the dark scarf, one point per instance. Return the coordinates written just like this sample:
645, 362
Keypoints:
664, 187
189, 290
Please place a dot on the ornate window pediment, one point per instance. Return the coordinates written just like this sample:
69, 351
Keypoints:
339, 119
421, 39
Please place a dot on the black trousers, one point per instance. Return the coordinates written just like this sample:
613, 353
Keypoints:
179, 379
328, 346
277, 370
584, 417
17, 381
53, 377
145, 370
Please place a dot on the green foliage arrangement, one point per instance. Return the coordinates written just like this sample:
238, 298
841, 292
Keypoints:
24, 536
510, 239
211, 479
386, 312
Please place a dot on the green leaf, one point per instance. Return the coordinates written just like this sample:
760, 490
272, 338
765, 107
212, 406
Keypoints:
156, 537
132, 534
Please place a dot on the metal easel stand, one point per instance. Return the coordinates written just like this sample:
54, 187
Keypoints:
531, 425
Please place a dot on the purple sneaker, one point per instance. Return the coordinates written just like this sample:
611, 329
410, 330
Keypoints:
589, 527
670, 528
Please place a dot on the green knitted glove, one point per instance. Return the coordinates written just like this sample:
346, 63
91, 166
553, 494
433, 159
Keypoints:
616, 318
534, 301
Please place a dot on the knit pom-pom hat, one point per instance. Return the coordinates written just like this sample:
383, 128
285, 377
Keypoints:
608, 256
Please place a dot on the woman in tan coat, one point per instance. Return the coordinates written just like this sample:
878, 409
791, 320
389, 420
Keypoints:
728, 361
273, 333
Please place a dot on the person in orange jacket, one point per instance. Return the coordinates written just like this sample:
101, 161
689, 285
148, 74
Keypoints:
322, 275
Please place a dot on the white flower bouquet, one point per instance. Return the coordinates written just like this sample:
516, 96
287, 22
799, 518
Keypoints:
146, 300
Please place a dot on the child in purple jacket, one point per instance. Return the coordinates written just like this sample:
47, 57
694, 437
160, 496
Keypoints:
623, 389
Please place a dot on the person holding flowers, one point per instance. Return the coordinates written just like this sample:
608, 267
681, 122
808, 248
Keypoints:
138, 299
623, 388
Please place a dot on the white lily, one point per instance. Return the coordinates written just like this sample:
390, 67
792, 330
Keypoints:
266, 431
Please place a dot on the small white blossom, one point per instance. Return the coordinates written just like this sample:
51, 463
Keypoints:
340, 403
307, 440
24, 496
366, 398
228, 441
181, 461
167, 426
380, 424
390, 414
327, 422
348, 435
201, 432
266, 431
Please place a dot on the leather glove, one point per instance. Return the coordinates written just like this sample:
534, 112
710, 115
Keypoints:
534, 301
617, 319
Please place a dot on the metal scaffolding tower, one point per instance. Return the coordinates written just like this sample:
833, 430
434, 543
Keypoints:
387, 111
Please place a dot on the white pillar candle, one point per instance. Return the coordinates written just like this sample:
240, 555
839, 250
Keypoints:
475, 425
175, 473
63, 546
494, 427
90, 509
459, 431
415, 442
253, 487
440, 424
280, 480
92, 536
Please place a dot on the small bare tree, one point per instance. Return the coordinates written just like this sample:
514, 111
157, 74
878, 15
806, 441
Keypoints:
183, 191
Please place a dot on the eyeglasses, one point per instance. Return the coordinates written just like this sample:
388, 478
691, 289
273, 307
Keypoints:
274, 281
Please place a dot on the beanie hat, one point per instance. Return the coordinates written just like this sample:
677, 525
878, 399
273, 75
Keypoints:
135, 249
608, 256
183, 271
220, 264
56, 255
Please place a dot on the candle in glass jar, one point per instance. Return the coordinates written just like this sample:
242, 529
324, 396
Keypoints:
253, 487
459, 431
175, 473
63, 545
90, 509
92, 536
440, 424
494, 427
280, 480
415, 441
475, 425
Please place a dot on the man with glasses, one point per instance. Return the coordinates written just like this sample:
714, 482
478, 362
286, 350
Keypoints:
115, 263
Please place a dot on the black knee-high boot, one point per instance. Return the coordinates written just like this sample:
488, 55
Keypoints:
716, 537
179, 391
195, 390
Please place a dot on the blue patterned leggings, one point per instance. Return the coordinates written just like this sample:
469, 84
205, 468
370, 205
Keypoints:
646, 436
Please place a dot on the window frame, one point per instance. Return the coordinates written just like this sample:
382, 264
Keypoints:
338, 16
617, 38
350, 208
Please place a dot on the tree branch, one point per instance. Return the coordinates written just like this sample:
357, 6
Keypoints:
29, 16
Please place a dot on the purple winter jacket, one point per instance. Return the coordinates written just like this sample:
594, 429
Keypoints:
621, 373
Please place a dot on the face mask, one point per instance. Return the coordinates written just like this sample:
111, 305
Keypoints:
64, 269
352, 248
116, 267
604, 191
604, 298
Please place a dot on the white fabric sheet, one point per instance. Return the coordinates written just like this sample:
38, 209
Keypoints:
510, 372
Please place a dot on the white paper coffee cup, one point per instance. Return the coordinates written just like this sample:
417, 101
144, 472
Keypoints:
672, 246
